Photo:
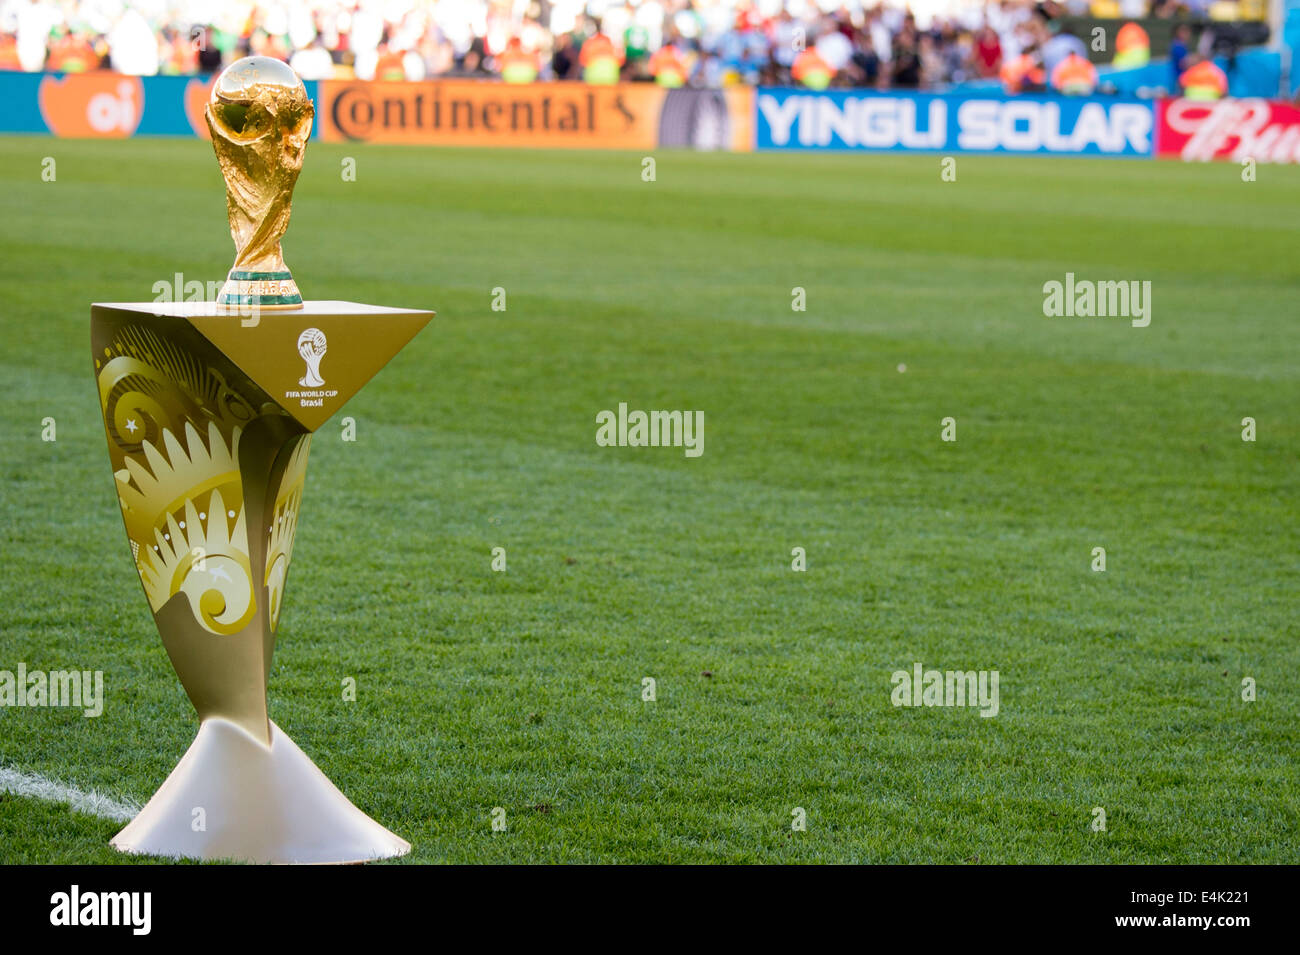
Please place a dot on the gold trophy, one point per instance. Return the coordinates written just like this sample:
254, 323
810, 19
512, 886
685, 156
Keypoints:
260, 119
209, 419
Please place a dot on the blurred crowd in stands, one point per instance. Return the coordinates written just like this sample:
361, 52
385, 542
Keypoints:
924, 44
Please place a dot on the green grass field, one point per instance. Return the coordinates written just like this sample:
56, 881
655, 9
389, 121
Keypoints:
522, 690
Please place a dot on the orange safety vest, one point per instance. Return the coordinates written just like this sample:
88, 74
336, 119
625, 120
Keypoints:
599, 47
1204, 81
1020, 70
275, 48
389, 66
812, 70
1074, 76
515, 64
600, 60
184, 56
72, 55
667, 67
9, 52
1132, 46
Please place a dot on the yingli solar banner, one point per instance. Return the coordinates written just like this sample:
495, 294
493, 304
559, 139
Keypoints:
1233, 129
477, 113
864, 120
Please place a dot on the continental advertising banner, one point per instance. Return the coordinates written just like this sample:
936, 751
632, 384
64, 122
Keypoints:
476, 113
1234, 129
861, 120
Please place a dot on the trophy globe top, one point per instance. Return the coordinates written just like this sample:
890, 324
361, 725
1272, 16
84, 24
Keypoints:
239, 81
259, 79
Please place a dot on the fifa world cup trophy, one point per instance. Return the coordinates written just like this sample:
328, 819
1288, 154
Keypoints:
260, 118
209, 419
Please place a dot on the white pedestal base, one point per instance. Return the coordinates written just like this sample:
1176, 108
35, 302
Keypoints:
260, 804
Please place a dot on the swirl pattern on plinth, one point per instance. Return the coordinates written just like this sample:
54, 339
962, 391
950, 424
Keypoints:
283, 524
175, 426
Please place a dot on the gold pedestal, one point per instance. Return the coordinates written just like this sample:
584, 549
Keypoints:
209, 418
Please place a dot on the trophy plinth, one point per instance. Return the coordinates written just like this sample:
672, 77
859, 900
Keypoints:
209, 422
209, 416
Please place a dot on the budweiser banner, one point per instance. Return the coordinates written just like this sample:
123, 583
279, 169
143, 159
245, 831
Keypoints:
1234, 129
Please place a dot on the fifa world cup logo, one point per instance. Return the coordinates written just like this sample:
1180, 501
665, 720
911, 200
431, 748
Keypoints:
311, 346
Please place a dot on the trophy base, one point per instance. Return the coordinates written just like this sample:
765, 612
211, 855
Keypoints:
253, 803
262, 290
228, 308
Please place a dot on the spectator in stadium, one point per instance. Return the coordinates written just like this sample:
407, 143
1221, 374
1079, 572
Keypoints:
958, 50
1023, 74
515, 64
601, 60
314, 62
563, 57
71, 53
864, 66
1178, 52
179, 53
988, 53
668, 66
933, 67
833, 45
721, 41
906, 56
1074, 76
263, 43
1060, 46
812, 70
474, 62
9, 59
781, 33
636, 43
1204, 81
33, 25
208, 59
1132, 47
133, 45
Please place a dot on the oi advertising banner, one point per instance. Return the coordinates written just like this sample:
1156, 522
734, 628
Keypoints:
104, 105
986, 123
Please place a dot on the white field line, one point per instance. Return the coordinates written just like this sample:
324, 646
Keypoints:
91, 803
